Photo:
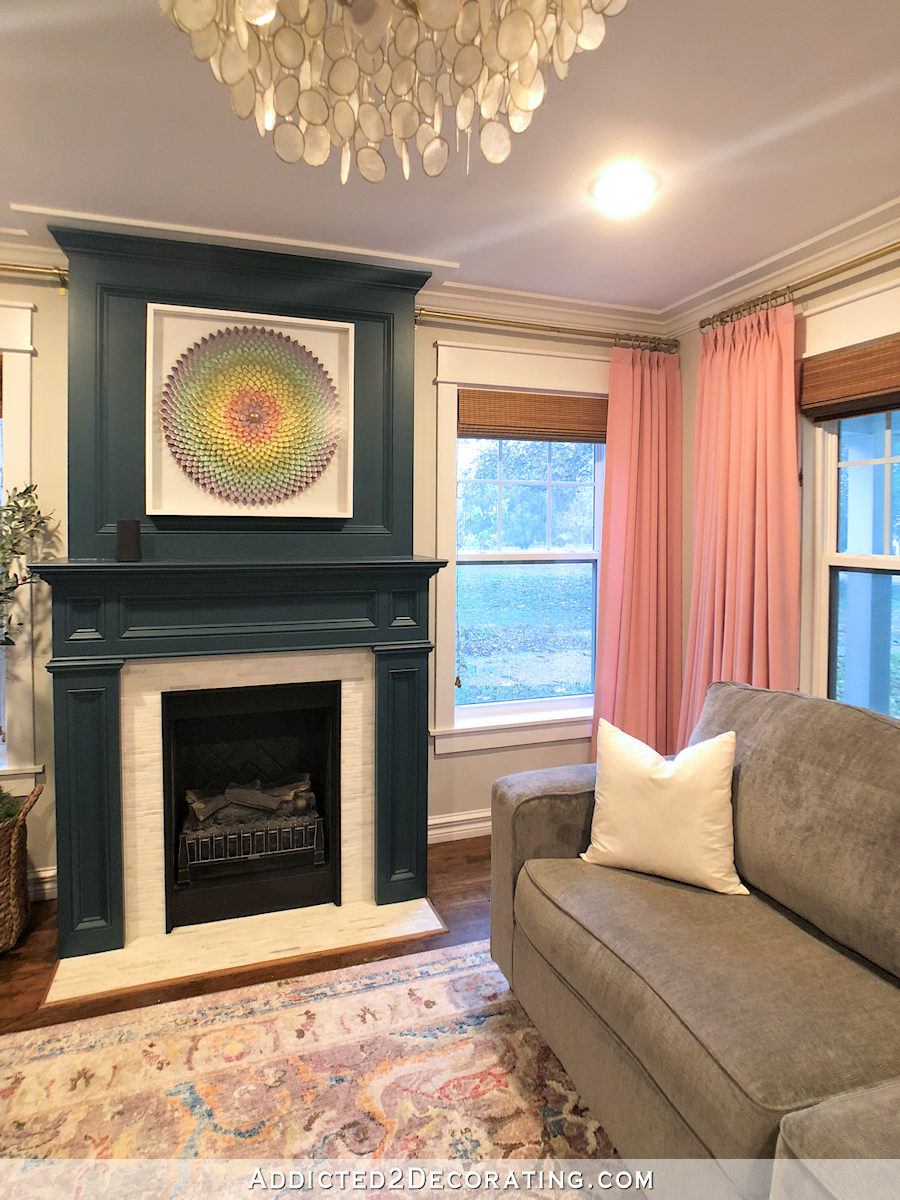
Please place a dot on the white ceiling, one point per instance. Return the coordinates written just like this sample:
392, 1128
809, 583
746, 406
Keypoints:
770, 123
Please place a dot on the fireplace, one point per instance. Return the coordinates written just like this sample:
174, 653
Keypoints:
220, 600
251, 784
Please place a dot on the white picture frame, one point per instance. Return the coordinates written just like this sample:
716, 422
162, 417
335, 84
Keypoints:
174, 331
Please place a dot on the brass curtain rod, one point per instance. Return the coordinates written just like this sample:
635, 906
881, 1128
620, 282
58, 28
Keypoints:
640, 341
767, 299
59, 275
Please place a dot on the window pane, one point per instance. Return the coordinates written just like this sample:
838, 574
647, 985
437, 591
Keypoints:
525, 631
572, 518
572, 462
865, 652
894, 422
861, 510
861, 438
525, 460
477, 458
476, 516
524, 517
894, 547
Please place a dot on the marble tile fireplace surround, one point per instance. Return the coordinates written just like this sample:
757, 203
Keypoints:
220, 600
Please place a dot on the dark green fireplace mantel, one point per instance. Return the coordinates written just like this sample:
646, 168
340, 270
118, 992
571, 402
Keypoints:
105, 613
228, 584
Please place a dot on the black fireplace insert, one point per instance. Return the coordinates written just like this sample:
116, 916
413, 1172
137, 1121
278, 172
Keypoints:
252, 800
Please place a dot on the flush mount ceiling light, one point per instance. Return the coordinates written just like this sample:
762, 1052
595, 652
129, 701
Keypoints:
624, 189
358, 76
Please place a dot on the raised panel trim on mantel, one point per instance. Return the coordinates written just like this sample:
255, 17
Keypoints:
142, 616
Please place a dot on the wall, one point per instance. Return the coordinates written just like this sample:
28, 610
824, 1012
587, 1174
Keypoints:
50, 473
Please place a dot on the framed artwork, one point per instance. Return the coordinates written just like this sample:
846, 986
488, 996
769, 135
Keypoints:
248, 415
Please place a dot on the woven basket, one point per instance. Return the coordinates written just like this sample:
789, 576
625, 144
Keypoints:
14, 901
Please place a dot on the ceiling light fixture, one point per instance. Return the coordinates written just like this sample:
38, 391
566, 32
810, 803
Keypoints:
357, 76
624, 189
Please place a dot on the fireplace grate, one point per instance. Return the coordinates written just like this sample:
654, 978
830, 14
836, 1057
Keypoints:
243, 843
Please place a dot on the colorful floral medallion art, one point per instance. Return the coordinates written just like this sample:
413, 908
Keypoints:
251, 416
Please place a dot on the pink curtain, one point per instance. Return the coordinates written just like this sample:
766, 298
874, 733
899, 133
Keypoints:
745, 587
638, 672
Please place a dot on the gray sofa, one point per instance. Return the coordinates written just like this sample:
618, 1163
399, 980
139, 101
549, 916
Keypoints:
701, 1025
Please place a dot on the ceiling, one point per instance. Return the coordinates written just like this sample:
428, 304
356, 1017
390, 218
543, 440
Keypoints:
771, 123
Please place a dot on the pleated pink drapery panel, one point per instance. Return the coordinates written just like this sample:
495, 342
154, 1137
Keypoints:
638, 672
745, 587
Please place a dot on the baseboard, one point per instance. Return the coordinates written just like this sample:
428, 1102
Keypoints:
453, 827
42, 883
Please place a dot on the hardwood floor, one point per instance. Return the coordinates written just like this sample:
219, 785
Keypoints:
458, 887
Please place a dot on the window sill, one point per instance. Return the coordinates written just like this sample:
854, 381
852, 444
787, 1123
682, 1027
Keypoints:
20, 781
497, 731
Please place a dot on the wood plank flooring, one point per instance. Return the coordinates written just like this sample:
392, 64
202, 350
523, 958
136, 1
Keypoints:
458, 887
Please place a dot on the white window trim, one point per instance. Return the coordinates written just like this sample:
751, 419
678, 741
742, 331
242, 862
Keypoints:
17, 352
520, 722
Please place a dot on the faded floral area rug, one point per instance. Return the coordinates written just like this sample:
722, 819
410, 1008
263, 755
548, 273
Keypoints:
421, 1057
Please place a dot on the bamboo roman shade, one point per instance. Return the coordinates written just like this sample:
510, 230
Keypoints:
853, 380
531, 416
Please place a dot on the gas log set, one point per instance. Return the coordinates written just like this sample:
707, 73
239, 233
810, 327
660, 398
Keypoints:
248, 821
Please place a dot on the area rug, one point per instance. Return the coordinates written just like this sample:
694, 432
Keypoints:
428, 1056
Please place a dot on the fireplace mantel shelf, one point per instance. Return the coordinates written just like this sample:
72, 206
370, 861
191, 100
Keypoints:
115, 610
51, 569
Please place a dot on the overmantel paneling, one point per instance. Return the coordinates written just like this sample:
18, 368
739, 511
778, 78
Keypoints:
113, 277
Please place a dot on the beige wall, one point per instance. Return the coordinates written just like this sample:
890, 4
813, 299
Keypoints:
460, 783
50, 473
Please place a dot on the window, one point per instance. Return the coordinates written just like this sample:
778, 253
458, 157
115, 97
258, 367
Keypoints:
17, 765
527, 520
864, 625
519, 482
850, 626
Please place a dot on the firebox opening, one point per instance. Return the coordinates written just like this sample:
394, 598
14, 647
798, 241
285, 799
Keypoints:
252, 800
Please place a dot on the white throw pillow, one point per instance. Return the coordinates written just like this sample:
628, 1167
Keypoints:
665, 818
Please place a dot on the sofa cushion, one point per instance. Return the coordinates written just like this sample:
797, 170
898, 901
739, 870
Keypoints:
735, 1009
816, 810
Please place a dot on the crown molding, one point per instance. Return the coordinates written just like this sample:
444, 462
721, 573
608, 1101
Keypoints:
25, 253
536, 308
111, 223
840, 244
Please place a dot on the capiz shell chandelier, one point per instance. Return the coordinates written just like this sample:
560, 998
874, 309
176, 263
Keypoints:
360, 76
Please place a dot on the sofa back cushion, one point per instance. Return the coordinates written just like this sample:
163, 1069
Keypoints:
816, 810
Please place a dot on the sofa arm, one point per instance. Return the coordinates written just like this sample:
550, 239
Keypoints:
859, 1124
819, 1148
535, 814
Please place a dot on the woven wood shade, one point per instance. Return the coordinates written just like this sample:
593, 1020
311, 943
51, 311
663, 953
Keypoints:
851, 381
532, 416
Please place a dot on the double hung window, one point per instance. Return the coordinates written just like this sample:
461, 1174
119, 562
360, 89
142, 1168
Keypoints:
852, 524
17, 766
519, 498
864, 565
527, 520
